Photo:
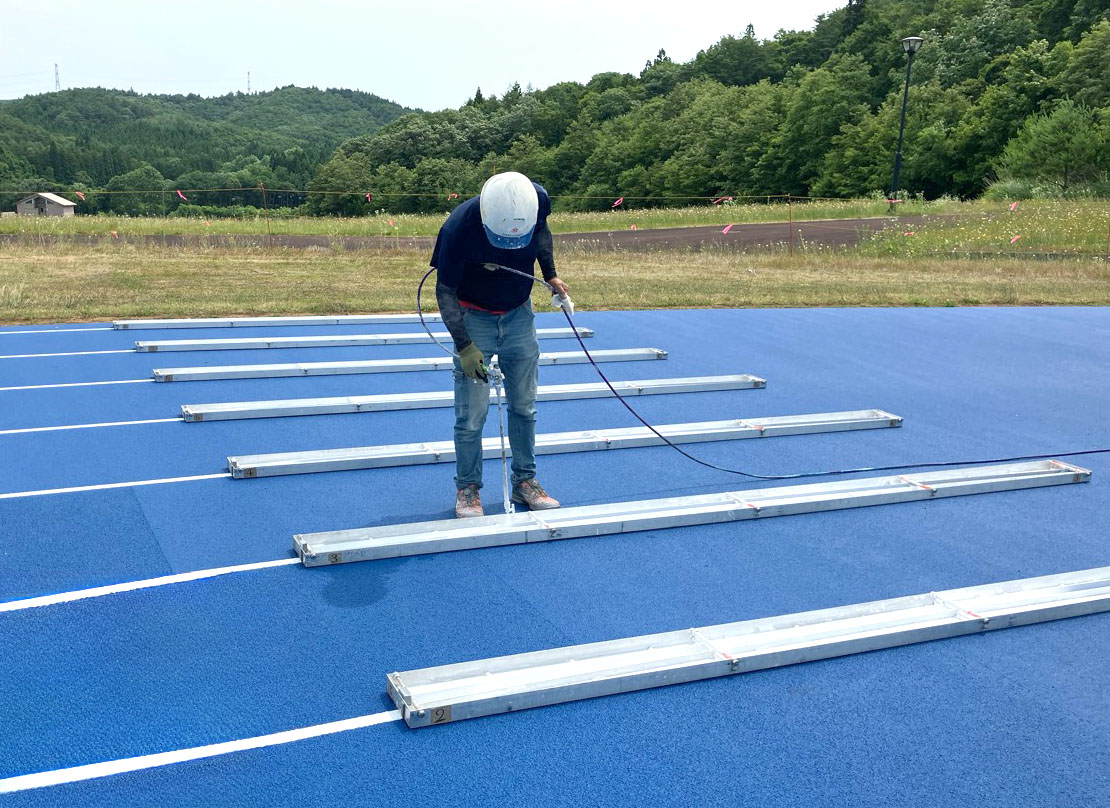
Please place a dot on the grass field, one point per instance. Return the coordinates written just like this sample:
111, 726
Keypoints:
1033, 227
379, 224
968, 259
71, 283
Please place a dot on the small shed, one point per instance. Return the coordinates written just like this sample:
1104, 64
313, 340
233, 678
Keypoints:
45, 204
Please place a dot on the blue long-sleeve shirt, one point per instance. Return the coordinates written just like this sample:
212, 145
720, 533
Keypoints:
462, 248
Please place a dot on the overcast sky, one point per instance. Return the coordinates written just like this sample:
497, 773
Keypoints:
421, 53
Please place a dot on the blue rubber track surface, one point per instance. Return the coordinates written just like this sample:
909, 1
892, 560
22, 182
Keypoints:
1015, 717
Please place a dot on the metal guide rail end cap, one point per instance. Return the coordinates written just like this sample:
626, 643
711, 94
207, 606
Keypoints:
310, 558
240, 472
1079, 474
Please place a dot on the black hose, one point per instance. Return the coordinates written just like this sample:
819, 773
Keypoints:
750, 475
420, 312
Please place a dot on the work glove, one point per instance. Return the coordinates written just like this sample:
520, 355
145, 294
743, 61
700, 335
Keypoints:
471, 359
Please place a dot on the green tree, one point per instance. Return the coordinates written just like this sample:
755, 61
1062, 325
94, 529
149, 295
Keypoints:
434, 181
17, 177
862, 157
608, 104
974, 40
340, 187
571, 154
1066, 19
826, 100
662, 75
139, 192
527, 155
1087, 77
1018, 84
555, 110
1063, 148
736, 61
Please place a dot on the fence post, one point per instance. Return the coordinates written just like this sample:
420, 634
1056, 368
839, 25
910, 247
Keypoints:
266, 209
790, 213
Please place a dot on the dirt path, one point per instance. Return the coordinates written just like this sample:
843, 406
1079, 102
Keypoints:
826, 233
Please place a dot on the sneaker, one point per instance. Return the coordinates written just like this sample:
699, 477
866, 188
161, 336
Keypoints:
531, 493
468, 502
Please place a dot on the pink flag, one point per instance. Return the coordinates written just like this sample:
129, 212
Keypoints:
894, 201
452, 196
725, 231
633, 227
1015, 238
909, 233
115, 235
369, 197
1013, 207
391, 224
722, 199
183, 196
81, 195
207, 223
619, 201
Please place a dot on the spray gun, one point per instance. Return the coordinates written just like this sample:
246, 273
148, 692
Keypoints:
562, 302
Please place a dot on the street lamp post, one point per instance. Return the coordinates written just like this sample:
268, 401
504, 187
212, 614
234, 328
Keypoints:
910, 45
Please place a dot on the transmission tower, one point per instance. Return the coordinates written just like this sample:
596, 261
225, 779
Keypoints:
57, 81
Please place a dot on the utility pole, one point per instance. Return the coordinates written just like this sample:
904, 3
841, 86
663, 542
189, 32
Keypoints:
248, 82
57, 81
910, 45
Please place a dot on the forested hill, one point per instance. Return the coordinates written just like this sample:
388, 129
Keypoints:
86, 137
1010, 90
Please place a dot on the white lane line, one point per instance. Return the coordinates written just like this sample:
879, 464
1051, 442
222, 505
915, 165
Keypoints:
131, 586
94, 770
106, 486
66, 353
75, 384
87, 426
54, 331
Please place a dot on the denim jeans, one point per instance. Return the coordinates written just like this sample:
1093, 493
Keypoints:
512, 337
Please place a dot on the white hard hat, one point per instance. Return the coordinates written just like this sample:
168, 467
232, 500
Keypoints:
509, 206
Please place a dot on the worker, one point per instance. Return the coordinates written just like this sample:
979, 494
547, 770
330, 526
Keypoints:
489, 312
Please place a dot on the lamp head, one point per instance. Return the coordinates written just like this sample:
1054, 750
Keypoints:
911, 43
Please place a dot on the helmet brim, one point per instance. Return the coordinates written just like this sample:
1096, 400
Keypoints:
509, 242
